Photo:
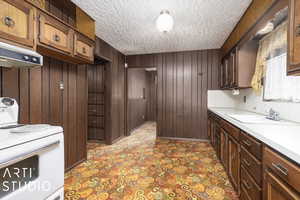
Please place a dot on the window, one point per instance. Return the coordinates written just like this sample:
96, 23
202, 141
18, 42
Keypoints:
279, 86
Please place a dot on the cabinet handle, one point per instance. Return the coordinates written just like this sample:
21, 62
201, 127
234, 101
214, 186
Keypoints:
246, 162
281, 169
56, 38
298, 30
247, 143
245, 183
8, 21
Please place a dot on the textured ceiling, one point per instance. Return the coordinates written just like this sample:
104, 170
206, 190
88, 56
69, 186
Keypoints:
129, 25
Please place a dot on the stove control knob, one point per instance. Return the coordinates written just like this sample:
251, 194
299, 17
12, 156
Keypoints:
34, 59
26, 58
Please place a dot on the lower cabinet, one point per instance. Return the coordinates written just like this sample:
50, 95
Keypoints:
276, 189
256, 171
234, 163
281, 177
224, 148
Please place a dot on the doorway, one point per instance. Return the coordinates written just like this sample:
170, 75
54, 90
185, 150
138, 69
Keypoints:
141, 97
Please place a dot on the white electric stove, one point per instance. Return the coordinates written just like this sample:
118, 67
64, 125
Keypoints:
31, 158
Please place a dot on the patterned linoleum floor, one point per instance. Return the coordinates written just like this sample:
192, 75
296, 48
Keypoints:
141, 167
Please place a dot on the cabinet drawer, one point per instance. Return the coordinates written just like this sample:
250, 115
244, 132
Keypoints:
97, 110
17, 22
95, 122
252, 165
54, 34
285, 169
83, 47
95, 98
230, 129
96, 134
247, 182
252, 145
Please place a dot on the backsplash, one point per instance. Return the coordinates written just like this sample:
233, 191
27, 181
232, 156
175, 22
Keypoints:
219, 98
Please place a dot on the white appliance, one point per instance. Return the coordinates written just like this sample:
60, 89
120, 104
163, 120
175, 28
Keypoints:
31, 158
13, 56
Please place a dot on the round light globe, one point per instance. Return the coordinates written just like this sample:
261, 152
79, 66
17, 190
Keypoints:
165, 22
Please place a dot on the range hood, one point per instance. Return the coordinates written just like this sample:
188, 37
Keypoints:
13, 56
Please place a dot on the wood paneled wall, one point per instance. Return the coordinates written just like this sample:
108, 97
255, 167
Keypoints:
137, 103
115, 97
183, 81
42, 101
252, 14
151, 96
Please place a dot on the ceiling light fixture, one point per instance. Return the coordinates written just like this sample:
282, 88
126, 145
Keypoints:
165, 22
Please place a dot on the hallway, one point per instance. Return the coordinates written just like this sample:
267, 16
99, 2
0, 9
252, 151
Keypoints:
143, 167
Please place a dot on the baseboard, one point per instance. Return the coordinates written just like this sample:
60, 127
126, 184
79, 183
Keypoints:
75, 165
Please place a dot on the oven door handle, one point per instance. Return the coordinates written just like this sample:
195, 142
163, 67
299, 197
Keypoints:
21, 157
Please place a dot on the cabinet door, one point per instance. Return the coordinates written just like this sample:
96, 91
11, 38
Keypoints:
226, 80
209, 128
232, 71
224, 148
55, 35
17, 22
276, 189
234, 163
83, 48
294, 38
218, 141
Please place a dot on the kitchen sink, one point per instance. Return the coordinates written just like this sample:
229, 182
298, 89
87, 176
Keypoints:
256, 119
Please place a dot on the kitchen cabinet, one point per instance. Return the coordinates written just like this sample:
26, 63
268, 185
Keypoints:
254, 169
54, 34
294, 38
224, 148
234, 163
281, 177
238, 67
276, 189
85, 24
83, 47
103, 50
17, 22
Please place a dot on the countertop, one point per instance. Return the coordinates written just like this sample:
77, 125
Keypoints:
285, 138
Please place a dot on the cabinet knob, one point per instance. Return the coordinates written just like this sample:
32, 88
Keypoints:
8, 21
56, 38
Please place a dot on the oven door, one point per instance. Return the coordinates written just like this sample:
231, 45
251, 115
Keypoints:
33, 170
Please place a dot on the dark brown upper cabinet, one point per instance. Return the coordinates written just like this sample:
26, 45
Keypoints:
294, 38
238, 67
103, 50
17, 22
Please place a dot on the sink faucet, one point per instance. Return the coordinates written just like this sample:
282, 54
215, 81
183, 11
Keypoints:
273, 115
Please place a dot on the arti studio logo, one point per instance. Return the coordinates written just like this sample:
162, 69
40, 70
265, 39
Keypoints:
22, 179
